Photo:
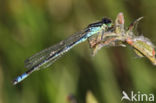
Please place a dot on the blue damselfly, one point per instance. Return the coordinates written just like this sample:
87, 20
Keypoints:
46, 57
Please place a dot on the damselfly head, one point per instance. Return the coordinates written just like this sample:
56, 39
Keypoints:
104, 21
107, 21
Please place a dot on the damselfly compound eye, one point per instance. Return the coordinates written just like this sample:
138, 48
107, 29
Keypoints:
106, 21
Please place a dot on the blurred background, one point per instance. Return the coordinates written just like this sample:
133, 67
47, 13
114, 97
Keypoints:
28, 26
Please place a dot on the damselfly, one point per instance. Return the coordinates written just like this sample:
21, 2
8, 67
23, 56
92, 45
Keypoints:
141, 45
48, 56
